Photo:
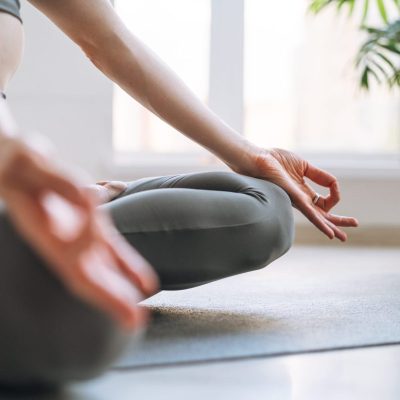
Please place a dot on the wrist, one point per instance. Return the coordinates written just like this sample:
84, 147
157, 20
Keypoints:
245, 162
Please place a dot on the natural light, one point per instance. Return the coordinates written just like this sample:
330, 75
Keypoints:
300, 87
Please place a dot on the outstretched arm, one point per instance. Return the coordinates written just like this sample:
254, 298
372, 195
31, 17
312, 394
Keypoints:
97, 29
118, 53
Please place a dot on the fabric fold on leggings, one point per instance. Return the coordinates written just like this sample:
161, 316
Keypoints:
193, 229
196, 228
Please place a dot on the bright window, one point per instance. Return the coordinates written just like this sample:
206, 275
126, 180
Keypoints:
181, 39
300, 90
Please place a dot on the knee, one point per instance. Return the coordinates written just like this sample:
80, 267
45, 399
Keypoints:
48, 336
272, 216
85, 346
284, 228
56, 342
272, 234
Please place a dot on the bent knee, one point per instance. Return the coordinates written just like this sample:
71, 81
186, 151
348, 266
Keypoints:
272, 234
56, 351
284, 229
54, 337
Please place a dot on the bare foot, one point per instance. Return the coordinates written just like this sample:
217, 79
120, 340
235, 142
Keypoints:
106, 191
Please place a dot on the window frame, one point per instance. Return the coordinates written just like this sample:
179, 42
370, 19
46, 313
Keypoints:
227, 22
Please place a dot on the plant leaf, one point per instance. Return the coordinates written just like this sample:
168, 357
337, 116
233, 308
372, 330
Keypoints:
382, 11
373, 30
391, 47
380, 68
351, 8
364, 79
340, 4
395, 79
365, 12
317, 5
379, 55
372, 71
387, 61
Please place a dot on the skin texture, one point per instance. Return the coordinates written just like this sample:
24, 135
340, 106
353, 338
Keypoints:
289, 171
27, 176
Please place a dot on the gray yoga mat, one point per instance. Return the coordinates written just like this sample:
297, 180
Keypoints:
312, 299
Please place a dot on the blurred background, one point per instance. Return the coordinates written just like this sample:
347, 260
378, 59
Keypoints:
275, 72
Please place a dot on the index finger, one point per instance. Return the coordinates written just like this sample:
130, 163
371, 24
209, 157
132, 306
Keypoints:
96, 280
324, 178
66, 188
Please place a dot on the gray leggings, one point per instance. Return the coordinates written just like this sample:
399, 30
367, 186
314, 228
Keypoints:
193, 228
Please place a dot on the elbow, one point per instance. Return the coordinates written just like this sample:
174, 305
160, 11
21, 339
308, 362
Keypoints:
93, 45
92, 51
102, 49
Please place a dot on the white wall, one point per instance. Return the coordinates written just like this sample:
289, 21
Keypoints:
60, 94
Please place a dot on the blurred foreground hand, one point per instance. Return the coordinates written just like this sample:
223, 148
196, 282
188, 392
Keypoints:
60, 220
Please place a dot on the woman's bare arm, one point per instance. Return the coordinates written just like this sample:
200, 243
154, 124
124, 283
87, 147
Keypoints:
97, 29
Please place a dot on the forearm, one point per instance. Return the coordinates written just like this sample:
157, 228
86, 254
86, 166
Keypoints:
99, 31
145, 77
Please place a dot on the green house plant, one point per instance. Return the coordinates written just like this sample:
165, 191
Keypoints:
379, 55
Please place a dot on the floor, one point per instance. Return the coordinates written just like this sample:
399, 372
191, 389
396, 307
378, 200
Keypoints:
372, 373
366, 372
